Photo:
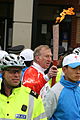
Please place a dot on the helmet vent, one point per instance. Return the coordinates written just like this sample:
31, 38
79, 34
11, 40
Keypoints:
6, 58
4, 63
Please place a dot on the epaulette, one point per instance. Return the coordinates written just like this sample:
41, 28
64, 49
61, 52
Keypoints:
34, 94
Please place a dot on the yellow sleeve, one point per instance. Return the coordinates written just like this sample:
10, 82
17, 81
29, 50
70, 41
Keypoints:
39, 111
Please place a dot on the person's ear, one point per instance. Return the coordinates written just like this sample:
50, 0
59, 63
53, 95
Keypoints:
37, 58
64, 69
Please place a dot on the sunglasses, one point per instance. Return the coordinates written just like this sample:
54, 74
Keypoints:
14, 71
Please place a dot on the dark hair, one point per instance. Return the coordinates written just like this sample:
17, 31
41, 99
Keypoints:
66, 66
28, 63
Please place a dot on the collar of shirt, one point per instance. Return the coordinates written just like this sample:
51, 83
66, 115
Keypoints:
68, 84
2, 90
38, 67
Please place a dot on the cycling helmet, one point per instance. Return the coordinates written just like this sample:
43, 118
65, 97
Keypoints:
27, 54
12, 60
2, 54
76, 51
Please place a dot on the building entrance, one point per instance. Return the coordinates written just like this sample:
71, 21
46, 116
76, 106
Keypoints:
6, 20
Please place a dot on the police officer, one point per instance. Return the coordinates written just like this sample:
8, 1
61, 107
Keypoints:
17, 101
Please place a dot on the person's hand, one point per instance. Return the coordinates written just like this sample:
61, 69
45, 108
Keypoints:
52, 72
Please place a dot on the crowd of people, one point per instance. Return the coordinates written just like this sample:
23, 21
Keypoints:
25, 84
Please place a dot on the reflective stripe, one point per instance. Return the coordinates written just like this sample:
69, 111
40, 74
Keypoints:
41, 116
30, 107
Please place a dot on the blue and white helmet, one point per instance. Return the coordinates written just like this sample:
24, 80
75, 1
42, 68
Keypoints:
77, 51
11, 60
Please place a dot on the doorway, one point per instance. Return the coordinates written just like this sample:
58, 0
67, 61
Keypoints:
6, 21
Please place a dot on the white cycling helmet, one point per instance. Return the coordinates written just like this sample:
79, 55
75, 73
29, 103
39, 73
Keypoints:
2, 54
76, 51
27, 54
11, 60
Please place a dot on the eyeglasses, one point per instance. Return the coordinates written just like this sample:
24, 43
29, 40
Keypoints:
14, 71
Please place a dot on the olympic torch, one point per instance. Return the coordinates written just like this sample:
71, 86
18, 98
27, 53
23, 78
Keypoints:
65, 12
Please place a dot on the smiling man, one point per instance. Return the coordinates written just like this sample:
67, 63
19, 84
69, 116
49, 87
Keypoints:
16, 101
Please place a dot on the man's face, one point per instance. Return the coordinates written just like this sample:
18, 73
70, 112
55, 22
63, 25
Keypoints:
71, 74
45, 58
12, 76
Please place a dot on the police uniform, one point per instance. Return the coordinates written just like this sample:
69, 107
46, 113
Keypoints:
22, 104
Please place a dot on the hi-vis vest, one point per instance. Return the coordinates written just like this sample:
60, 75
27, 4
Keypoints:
59, 74
21, 105
58, 77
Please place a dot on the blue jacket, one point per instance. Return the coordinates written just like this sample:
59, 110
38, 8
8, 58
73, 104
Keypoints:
23, 70
0, 75
64, 101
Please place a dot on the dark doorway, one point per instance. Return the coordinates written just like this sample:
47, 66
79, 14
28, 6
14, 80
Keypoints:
6, 21
44, 15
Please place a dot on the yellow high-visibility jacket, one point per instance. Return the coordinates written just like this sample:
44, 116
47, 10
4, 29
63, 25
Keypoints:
21, 105
58, 77
59, 74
